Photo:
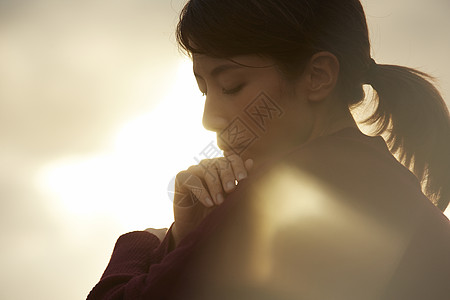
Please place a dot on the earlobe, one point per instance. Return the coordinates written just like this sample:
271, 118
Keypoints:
323, 72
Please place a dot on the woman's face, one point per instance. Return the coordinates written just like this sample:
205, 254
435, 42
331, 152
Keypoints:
253, 110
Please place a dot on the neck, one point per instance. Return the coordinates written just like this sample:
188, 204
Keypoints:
330, 116
326, 124
332, 124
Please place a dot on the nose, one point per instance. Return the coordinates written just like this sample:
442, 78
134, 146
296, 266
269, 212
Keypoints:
214, 118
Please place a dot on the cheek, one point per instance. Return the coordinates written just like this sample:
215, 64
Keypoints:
263, 102
298, 117
289, 125
269, 111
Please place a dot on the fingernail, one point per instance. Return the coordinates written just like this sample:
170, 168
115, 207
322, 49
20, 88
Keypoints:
230, 185
209, 201
219, 198
249, 163
241, 176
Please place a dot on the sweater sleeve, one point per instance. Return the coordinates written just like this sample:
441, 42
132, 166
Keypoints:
128, 270
143, 268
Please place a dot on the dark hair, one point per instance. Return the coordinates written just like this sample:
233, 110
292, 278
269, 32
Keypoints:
410, 111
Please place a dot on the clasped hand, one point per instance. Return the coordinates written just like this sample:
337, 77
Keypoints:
202, 187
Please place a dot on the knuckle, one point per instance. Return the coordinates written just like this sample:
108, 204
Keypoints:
211, 177
187, 179
206, 163
226, 173
196, 194
191, 169
182, 176
224, 166
214, 181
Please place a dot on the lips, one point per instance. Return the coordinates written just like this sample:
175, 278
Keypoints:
224, 146
227, 149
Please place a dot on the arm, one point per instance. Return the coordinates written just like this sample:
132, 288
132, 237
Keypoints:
126, 274
140, 263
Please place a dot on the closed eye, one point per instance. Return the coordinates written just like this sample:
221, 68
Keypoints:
227, 91
232, 91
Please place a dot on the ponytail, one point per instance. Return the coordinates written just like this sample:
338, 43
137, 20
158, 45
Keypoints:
415, 119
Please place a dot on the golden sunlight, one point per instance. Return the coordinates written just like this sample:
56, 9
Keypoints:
131, 181
309, 217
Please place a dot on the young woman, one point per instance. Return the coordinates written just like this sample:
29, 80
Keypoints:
321, 210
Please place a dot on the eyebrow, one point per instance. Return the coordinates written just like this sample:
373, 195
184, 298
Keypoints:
220, 69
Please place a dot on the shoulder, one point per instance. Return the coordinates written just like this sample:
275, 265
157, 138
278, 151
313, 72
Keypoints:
359, 172
338, 213
347, 149
350, 159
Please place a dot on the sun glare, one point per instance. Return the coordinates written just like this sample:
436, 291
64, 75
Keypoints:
131, 181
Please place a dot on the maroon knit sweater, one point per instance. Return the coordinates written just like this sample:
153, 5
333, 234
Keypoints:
359, 167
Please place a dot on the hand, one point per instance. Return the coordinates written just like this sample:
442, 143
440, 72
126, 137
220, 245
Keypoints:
200, 188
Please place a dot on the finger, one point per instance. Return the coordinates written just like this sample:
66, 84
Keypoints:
226, 174
237, 165
249, 164
189, 188
212, 179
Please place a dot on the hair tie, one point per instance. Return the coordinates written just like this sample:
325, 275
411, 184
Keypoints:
368, 75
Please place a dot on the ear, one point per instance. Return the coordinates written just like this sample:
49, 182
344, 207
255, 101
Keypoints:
321, 73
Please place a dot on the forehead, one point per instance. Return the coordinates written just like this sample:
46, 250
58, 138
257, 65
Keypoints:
203, 63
